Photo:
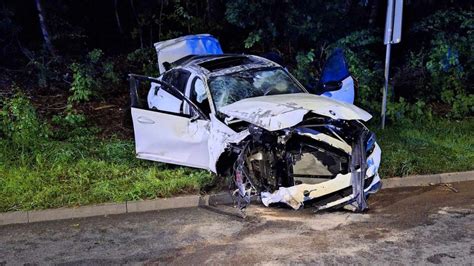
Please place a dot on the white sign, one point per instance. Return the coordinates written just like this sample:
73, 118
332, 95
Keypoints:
393, 23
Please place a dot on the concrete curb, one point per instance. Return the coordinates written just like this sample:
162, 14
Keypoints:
22, 217
426, 180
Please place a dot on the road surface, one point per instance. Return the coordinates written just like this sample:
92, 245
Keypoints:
425, 225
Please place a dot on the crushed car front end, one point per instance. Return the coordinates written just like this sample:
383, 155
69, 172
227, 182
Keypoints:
300, 150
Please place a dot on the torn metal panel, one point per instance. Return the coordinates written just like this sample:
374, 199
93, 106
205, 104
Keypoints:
295, 196
358, 171
220, 137
314, 134
276, 112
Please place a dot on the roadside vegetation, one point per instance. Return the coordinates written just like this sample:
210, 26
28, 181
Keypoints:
42, 166
63, 139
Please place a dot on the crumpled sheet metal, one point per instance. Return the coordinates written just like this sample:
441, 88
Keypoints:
295, 196
276, 112
220, 137
316, 135
359, 159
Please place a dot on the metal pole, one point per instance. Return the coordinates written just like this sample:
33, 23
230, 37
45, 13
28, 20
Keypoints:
388, 39
385, 89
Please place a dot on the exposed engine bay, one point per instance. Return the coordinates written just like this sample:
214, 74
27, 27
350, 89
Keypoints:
315, 151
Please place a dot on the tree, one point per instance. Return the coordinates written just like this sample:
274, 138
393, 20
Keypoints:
117, 17
44, 29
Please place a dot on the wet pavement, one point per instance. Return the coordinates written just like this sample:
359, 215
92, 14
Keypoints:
425, 225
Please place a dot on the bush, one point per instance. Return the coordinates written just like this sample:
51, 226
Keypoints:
144, 61
450, 63
365, 66
304, 67
404, 111
92, 77
70, 119
83, 84
47, 69
20, 123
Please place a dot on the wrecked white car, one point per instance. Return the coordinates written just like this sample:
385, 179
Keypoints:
248, 118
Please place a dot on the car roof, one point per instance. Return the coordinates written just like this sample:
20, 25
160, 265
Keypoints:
208, 64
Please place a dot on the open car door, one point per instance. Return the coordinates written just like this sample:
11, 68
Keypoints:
168, 136
336, 81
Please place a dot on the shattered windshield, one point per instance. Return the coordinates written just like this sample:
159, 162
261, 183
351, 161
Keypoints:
227, 89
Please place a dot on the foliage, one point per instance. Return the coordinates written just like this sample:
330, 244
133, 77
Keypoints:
20, 124
83, 84
143, 61
47, 69
434, 62
448, 76
253, 38
364, 66
53, 170
403, 111
304, 64
267, 26
91, 77
449, 62
70, 119
163, 20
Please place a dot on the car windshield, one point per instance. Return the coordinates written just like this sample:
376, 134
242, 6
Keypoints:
227, 89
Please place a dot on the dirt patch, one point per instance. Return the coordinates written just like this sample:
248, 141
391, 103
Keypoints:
108, 113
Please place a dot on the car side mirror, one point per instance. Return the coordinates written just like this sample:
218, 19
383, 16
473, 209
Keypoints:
332, 85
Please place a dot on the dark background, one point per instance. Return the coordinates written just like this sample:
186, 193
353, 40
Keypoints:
432, 64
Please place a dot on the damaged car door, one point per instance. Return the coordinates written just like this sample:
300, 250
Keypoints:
336, 81
167, 133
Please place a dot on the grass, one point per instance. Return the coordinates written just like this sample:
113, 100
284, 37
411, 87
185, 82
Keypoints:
427, 147
85, 170
80, 169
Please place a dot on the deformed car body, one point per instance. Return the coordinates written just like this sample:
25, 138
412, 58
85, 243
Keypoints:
248, 118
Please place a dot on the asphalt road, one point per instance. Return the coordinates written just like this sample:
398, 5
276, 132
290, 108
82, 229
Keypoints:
429, 225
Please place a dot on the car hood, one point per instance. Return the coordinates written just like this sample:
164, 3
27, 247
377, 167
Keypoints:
277, 112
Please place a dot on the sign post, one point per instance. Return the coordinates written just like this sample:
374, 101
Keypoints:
393, 34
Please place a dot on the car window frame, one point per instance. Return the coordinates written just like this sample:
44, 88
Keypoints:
135, 102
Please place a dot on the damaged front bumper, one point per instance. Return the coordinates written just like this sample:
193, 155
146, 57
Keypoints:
333, 193
286, 141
